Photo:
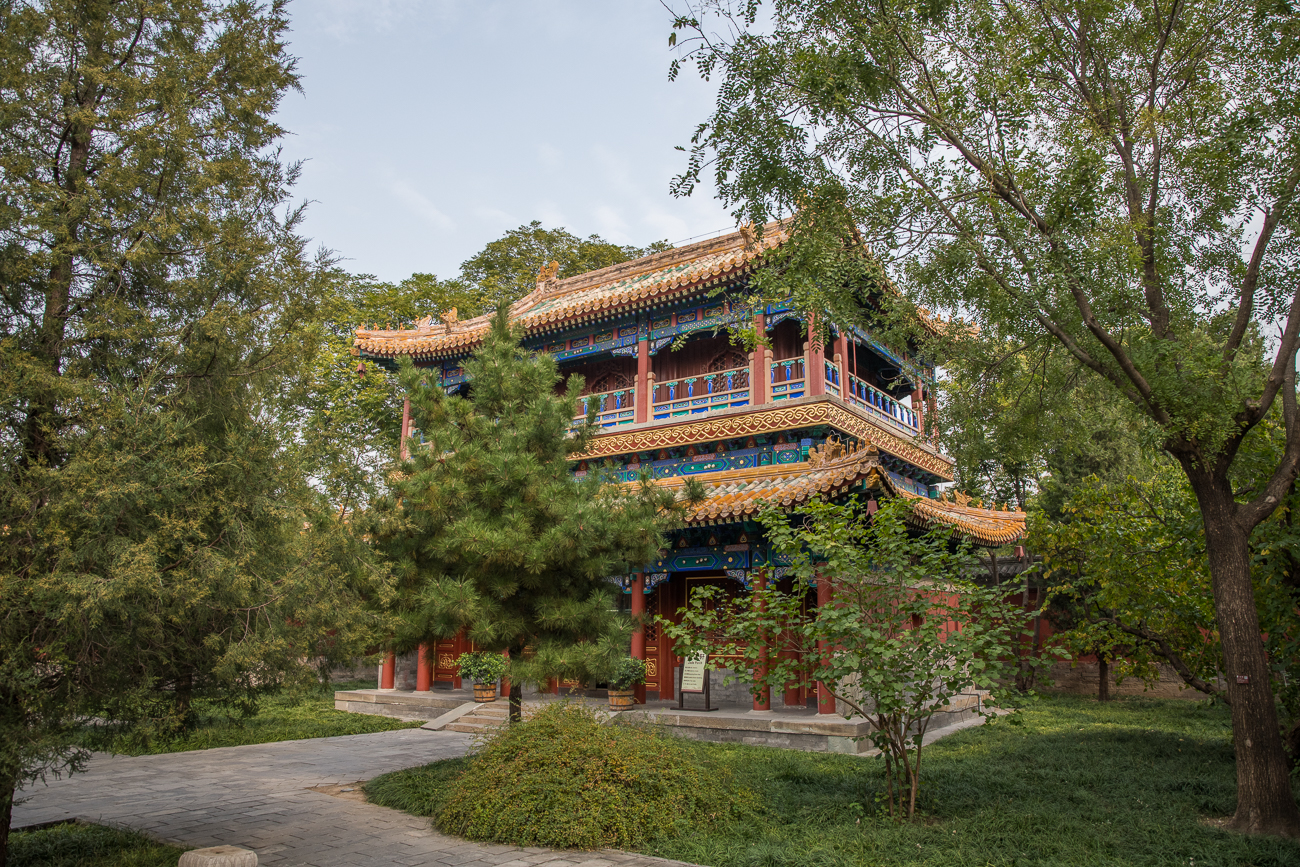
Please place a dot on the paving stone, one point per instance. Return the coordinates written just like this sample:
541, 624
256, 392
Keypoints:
259, 797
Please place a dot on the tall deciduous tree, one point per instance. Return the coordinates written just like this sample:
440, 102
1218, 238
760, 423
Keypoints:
1120, 178
487, 529
158, 543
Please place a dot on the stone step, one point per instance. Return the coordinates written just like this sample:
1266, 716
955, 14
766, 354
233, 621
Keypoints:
487, 715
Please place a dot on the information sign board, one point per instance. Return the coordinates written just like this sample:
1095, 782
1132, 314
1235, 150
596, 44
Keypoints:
693, 672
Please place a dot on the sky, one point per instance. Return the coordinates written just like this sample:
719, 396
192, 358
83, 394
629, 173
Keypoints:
429, 127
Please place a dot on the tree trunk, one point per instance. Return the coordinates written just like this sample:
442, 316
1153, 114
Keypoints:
1103, 678
516, 687
516, 701
7, 790
1265, 804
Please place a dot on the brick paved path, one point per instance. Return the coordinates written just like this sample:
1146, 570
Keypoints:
260, 797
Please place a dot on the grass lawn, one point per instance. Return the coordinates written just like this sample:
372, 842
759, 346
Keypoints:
78, 845
281, 718
1066, 781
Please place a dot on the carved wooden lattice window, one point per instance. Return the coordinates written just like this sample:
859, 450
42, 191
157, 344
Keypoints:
608, 381
728, 360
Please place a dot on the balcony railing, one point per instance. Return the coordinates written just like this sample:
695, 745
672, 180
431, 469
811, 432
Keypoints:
788, 379
613, 408
833, 379
882, 405
703, 393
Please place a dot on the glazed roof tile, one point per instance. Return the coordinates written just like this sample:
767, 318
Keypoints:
593, 295
734, 495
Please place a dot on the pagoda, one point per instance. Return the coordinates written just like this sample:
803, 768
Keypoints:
794, 419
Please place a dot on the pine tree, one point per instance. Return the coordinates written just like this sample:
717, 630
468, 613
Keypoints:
488, 529
158, 543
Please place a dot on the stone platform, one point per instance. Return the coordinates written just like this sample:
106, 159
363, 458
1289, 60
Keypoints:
791, 728
402, 704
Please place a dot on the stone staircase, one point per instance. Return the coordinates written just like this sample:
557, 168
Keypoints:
485, 716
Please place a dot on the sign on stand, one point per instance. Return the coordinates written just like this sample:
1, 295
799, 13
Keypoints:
694, 678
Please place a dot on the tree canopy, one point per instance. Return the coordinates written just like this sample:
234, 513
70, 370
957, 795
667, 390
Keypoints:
159, 541
506, 269
1117, 179
487, 530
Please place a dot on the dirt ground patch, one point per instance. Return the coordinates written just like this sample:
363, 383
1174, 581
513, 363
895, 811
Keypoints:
346, 791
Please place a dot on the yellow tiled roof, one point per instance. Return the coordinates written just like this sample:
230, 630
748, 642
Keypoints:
594, 295
733, 495
985, 526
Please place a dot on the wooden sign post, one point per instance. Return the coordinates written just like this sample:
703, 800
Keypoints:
694, 678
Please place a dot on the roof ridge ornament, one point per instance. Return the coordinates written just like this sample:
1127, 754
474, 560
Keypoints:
548, 272
751, 237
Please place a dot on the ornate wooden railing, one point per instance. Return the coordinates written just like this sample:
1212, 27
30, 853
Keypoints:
702, 393
788, 379
881, 405
613, 408
833, 379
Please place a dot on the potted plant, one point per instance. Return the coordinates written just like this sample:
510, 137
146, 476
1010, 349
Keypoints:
485, 669
627, 675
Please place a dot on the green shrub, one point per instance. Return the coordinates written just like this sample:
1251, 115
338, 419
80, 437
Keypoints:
564, 779
628, 673
86, 845
481, 667
420, 791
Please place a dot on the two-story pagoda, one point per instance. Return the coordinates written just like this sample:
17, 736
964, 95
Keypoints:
782, 424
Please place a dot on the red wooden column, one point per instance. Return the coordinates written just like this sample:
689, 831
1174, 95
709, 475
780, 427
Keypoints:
825, 701
762, 701
638, 629
793, 693
918, 407
462, 646
758, 375
814, 360
423, 670
642, 379
842, 361
667, 659
388, 674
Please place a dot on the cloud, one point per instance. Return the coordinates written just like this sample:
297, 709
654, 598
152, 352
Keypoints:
346, 19
550, 156
551, 216
611, 226
497, 217
420, 204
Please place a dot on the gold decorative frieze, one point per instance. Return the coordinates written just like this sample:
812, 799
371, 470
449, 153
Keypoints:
765, 420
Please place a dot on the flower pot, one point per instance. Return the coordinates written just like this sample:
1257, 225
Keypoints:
485, 692
622, 699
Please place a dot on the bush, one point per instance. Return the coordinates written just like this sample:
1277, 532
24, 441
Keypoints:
78, 845
481, 667
627, 674
565, 779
